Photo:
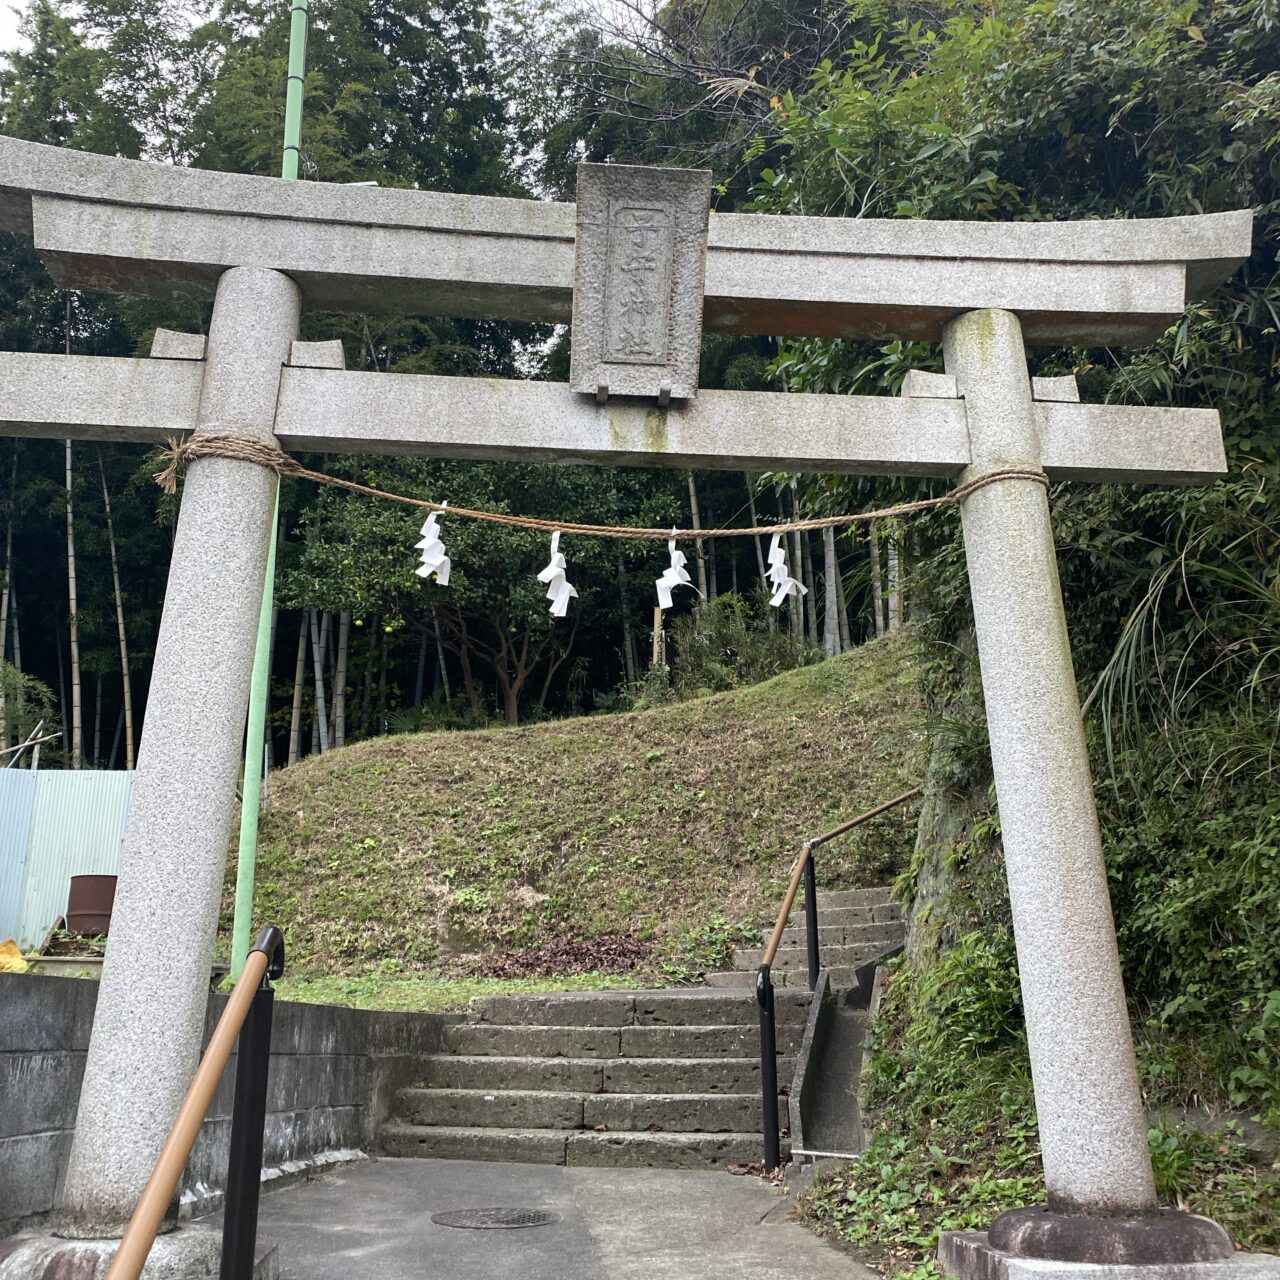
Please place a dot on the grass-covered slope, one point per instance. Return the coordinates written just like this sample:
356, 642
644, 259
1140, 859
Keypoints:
420, 848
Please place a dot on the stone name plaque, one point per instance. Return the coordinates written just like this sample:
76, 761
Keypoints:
638, 281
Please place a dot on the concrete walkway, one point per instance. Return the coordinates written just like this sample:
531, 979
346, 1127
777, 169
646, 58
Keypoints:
373, 1220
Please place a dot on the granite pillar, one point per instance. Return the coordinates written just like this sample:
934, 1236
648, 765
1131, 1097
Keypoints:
155, 982
1093, 1129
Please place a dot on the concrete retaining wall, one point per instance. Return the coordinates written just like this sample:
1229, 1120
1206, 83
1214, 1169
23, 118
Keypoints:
334, 1073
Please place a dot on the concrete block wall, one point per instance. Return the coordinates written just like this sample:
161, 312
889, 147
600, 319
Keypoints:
334, 1073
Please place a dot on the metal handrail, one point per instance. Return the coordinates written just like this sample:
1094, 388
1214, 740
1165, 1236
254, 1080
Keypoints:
804, 867
247, 1016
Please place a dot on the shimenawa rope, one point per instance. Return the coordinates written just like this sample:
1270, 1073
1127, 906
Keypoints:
246, 449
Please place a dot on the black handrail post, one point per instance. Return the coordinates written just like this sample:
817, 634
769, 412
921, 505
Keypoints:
248, 1120
811, 912
768, 1070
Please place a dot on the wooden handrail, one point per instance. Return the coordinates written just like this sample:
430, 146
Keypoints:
863, 817
806, 852
157, 1195
775, 938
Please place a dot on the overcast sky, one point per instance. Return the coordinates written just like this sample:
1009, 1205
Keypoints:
8, 26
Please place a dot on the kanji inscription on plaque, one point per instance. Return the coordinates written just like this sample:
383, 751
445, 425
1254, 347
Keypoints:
638, 289
638, 281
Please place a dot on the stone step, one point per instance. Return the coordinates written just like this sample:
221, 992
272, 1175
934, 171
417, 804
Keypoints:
521, 1109
693, 1006
459, 1071
694, 1075
533, 1042
837, 898
593, 1075
496, 1109
843, 935
666, 1150
855, 915
572, 1147
674, 1112
843, 978
791, 959
455, 1142
730, 979
705, 1042
482, 1039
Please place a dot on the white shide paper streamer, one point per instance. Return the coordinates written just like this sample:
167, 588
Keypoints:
434, 560
780, 579
559, 591
674, 575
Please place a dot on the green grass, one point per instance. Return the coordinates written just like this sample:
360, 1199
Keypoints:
427, 849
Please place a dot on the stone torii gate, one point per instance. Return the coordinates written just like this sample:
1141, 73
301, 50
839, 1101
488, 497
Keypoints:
640, 269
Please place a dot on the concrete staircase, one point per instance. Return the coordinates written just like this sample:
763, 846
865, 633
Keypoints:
855, 927
669, 1079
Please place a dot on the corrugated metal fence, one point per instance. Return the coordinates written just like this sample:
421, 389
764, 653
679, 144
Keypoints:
55, 825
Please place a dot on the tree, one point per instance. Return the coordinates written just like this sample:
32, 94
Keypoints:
1099, 108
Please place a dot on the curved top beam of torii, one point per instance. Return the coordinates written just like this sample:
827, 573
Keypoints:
105, 223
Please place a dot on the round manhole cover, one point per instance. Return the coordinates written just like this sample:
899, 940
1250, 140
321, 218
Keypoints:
494, 1219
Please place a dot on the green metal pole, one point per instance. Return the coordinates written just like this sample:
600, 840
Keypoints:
255, 735
293, 93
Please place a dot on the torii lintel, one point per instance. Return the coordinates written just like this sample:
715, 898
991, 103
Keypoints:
125, 225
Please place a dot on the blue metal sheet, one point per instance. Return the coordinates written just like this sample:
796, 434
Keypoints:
77, 824
17, 798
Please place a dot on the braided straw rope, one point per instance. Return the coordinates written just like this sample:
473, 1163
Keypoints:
244, 449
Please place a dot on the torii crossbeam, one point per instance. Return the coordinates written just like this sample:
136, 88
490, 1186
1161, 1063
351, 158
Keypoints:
265, 249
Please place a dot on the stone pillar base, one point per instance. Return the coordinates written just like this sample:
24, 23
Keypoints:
190, 1253
966, 1255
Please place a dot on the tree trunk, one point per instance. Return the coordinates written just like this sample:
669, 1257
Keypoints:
831, 594
628, 638
510, 700
340, 680
468, 676
797, 565
120, 630
846, 637
317, 654
794, 614
77, 727
17, 637
299, 672
504, 658
4, 598
62, 689
877, 589
895, 583
811, 581
328, 662
444, 670
421, 676
558, 654
115, 742
698, 555
382, 686
97, 721
756, 540
713, 589
366, 694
